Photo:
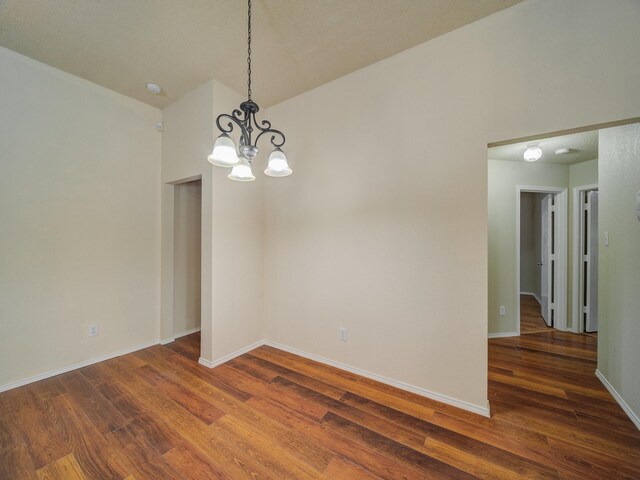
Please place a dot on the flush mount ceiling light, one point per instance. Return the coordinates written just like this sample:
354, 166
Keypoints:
224, 151
532, 154
154, 88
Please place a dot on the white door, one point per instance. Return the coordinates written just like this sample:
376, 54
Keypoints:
591, 260
545, 273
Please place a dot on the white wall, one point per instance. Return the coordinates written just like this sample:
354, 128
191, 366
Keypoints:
79, 219
384, 229
528, 257
232, 226
187, 243
619, 263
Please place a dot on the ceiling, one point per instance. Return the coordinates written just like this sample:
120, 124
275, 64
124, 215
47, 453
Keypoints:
297, 44
583, 146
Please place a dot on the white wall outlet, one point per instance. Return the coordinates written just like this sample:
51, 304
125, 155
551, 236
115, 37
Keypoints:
94, 331
606, 239
638, 206
342, 334
503, 310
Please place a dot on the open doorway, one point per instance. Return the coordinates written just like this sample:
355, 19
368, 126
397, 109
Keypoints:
187, 240
535, 223
541, 258
538, 261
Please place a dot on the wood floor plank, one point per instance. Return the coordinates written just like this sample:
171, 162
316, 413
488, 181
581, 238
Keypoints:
65, 468
158, 414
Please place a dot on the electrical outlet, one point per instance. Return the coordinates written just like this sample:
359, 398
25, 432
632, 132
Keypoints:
503, 310
93, 330
342, 334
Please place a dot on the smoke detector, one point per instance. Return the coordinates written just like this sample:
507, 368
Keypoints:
563, 151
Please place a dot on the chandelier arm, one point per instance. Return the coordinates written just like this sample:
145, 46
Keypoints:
265, 127
276, 133
229, 127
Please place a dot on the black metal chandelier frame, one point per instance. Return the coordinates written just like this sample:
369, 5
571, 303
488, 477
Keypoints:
245, 117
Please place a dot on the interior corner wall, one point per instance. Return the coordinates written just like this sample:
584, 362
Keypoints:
80, 220
619, 263
237, 247
382, 228
232, 226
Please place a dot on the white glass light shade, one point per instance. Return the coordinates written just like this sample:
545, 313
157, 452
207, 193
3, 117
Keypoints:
278, 166
532, 154
242, 171
224, 152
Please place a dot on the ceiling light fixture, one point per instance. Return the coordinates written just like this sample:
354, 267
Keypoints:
563, 151
224, 150
154, 88
532, 154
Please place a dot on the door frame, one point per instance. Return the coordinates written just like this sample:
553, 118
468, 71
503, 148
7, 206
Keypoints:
561, 209
167, 333
576, 323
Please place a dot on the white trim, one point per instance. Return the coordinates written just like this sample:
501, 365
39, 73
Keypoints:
230, 356
576, 323
205, 362
614, 393
179, 335
75, 366
503, 334
560, 321
480, 410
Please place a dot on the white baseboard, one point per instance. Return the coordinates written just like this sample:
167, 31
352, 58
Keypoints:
614, 393
230, 356
503, 334
178, 335
74, 366
480, 410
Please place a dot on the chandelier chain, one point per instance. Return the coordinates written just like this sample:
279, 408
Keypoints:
249, 52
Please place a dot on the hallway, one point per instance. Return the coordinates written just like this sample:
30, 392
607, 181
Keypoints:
531, 320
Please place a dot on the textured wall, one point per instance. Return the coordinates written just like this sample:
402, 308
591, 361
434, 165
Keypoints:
619, 263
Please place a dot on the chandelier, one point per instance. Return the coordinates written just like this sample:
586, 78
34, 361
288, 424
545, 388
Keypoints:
224, 152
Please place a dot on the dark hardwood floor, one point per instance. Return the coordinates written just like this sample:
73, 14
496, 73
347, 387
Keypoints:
531, 320
157, 414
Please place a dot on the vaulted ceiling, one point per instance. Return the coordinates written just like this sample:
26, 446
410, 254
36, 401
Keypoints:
180, 44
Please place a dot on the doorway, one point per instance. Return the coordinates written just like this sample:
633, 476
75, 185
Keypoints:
541, 258
187, 240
